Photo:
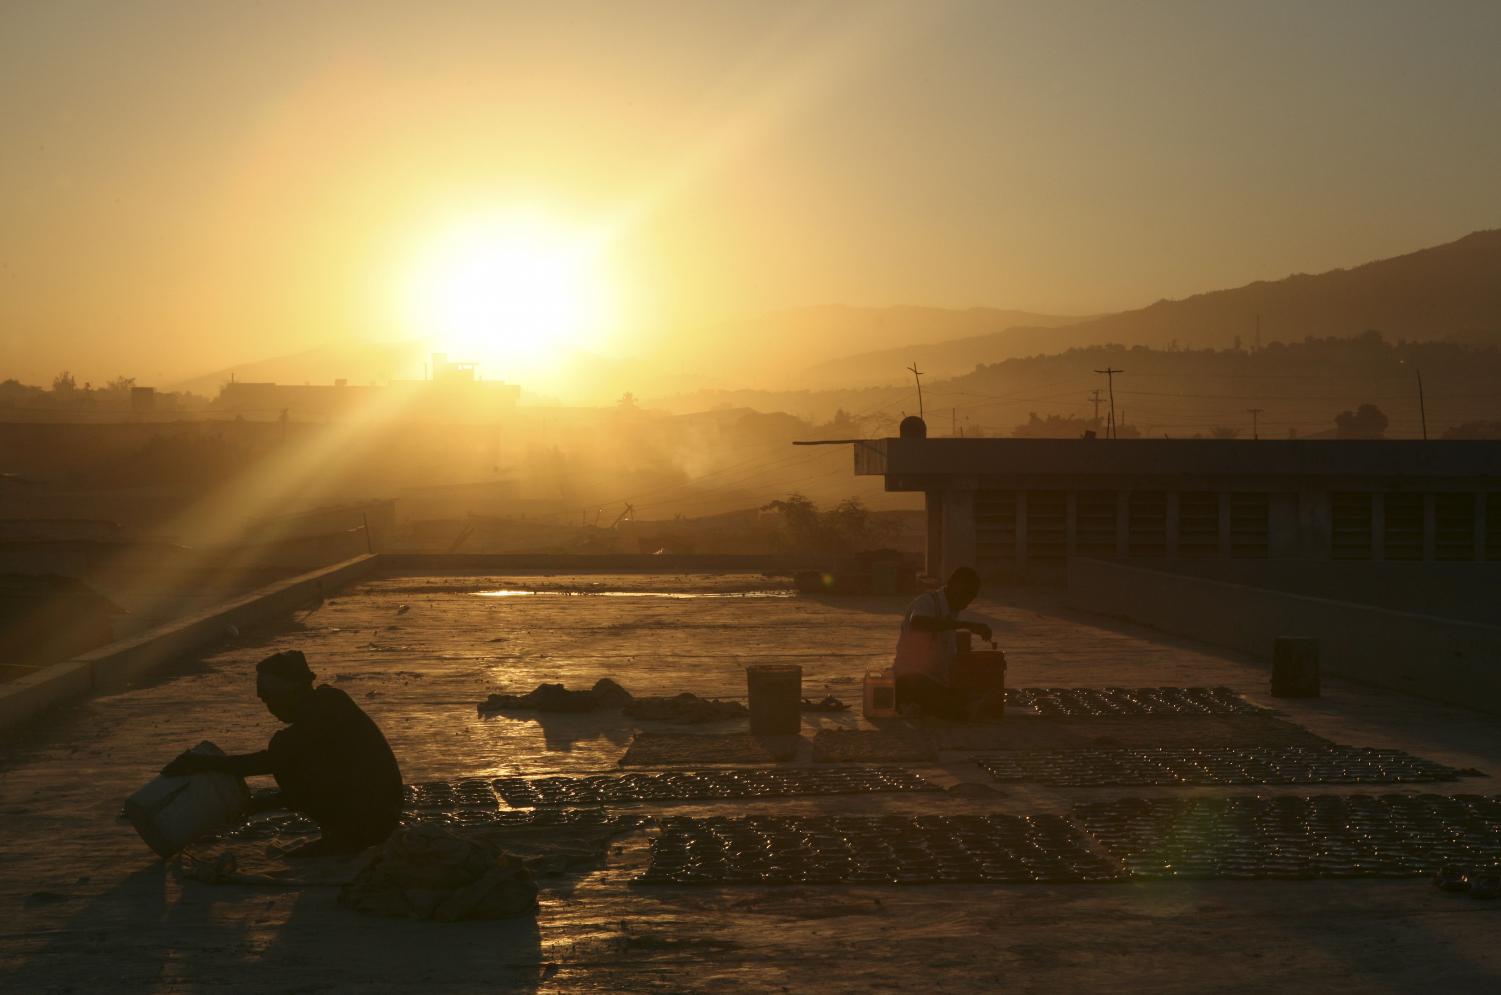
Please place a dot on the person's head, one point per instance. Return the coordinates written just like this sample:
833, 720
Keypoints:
962, 587
283, 681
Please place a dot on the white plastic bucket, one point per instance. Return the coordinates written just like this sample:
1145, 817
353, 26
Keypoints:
172, 812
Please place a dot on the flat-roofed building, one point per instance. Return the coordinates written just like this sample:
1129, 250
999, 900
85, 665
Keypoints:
1018, 509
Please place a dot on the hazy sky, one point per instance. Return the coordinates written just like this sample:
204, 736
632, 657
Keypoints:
185, 185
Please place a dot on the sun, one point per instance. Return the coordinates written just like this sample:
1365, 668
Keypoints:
515, 294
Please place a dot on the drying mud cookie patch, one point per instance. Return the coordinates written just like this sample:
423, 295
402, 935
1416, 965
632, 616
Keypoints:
1219, 765
1074, 703
689, 785
1030, 732
878, 850
1326, 836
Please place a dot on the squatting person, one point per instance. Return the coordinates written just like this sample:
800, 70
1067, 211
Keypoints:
331, 762
926, 649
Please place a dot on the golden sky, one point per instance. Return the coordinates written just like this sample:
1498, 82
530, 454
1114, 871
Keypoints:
187, 185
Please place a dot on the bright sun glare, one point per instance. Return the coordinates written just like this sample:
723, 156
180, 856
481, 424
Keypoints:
513, 294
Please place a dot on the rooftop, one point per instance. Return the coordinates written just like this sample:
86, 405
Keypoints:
90, 907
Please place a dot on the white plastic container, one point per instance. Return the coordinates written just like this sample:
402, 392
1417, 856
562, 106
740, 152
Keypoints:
172, 812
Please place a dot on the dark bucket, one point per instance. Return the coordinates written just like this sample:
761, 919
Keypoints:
776, 694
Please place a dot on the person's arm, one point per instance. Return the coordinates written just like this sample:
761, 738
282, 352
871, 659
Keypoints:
931, 623
244, 765
928, 623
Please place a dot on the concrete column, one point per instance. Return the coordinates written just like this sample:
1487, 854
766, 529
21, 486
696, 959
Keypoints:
1283, 540
1378, 526
933, 502
1021, 532
1123, 523
959, 546
1224, 497
1171, 528
1315, 525
1430, 528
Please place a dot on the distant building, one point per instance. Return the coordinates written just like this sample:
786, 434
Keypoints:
453, 392
1020, 508
142, 400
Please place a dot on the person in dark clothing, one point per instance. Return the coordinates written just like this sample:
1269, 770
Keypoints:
331, 762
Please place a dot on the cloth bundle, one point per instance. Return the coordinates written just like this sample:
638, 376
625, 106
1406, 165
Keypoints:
607, 694
428, 872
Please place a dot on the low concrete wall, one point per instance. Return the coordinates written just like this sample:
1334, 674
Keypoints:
1445, 659
602, 562
1465, 590
117, 665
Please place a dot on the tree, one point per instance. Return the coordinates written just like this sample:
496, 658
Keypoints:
848, 527
64, 383
1365, 422
121, 385
799, 520
1224, 432
1054, 427
627, 402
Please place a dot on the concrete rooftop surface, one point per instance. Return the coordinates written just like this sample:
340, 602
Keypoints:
87, 907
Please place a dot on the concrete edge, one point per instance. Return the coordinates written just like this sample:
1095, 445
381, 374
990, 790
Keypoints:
1230, 586
117, 665
399, 563
1455, 661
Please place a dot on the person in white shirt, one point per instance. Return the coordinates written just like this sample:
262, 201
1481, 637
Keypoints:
926, 648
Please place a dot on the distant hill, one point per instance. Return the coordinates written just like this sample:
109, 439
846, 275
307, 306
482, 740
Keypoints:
806, 347
1450, 291
943, 359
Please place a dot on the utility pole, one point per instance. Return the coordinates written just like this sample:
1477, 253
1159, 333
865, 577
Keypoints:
1255, 421
1258, 331
1094, 397
917, 375
1422, 410
1110, 385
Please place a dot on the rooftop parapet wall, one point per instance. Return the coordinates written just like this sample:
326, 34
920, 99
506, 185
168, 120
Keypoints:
1447, 660
1458, 459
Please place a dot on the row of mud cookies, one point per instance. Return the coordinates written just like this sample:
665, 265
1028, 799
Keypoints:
1250, 838
873, 850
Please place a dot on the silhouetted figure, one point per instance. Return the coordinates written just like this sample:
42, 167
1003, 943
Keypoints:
926, 649
331, 762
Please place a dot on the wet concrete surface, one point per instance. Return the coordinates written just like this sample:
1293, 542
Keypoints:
89, 908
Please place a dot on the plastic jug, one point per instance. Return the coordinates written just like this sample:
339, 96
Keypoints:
880, 694
172, 812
